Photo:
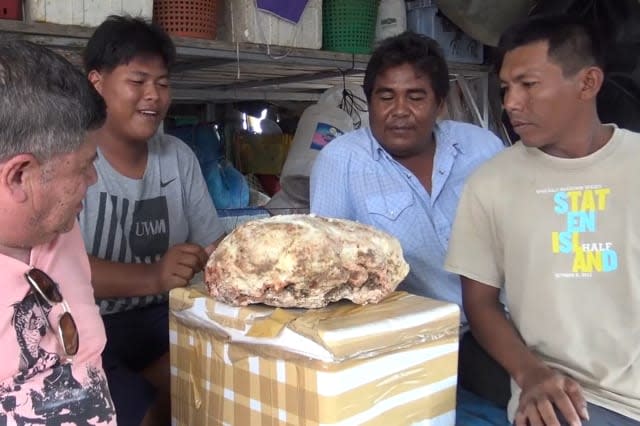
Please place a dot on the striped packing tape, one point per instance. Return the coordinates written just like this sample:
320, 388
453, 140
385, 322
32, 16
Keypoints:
216, 382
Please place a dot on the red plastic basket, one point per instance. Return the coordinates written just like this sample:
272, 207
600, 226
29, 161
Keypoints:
11, 9
187, 18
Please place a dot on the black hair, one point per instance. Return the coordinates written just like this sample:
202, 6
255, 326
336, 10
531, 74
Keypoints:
119, 39
572, 43
46, 103
418, 50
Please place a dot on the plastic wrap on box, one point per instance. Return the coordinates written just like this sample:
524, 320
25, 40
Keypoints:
390, 363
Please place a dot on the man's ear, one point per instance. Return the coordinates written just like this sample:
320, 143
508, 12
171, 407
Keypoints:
591, 81
16, 175
96, 79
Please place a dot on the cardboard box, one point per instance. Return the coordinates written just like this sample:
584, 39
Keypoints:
89, 13
394, 363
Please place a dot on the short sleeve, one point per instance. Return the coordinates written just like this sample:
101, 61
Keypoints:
204, 225
475, 249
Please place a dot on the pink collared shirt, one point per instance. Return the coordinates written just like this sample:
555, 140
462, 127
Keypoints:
37, 380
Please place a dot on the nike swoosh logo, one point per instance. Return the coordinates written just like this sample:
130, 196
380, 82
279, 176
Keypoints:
163, 184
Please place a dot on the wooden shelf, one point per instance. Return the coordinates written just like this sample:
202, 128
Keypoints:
219, 71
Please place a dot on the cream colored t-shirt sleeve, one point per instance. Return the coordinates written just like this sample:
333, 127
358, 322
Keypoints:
475, 250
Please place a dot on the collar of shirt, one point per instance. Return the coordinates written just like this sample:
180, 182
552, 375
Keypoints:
447, 149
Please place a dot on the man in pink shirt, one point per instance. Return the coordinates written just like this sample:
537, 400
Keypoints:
51, 334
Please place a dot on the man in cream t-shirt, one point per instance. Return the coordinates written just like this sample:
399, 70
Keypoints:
555, 221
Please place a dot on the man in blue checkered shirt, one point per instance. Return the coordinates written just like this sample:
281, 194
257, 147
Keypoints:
405, 173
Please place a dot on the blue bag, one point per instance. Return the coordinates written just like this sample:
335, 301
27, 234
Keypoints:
227, 186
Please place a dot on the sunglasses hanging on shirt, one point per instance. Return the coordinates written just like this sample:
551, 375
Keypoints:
47, 290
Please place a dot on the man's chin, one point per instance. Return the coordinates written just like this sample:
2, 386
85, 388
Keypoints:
67, 227
146, 132
400, 147
531, 143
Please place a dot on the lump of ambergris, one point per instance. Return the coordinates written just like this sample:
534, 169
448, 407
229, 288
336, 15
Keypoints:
304, 261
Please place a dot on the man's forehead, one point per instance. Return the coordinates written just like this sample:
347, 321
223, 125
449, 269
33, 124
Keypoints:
407, 68
143, 64
529, 58
401, 73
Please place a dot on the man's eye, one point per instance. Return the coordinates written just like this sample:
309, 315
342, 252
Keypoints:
529, 84
137, 82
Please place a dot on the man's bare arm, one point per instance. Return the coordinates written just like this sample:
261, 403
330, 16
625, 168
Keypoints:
542, 387
175, 269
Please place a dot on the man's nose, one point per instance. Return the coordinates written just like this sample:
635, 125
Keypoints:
400, 106
512, 99
151, 91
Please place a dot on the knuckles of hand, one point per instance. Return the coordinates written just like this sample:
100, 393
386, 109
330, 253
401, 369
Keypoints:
544, 391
